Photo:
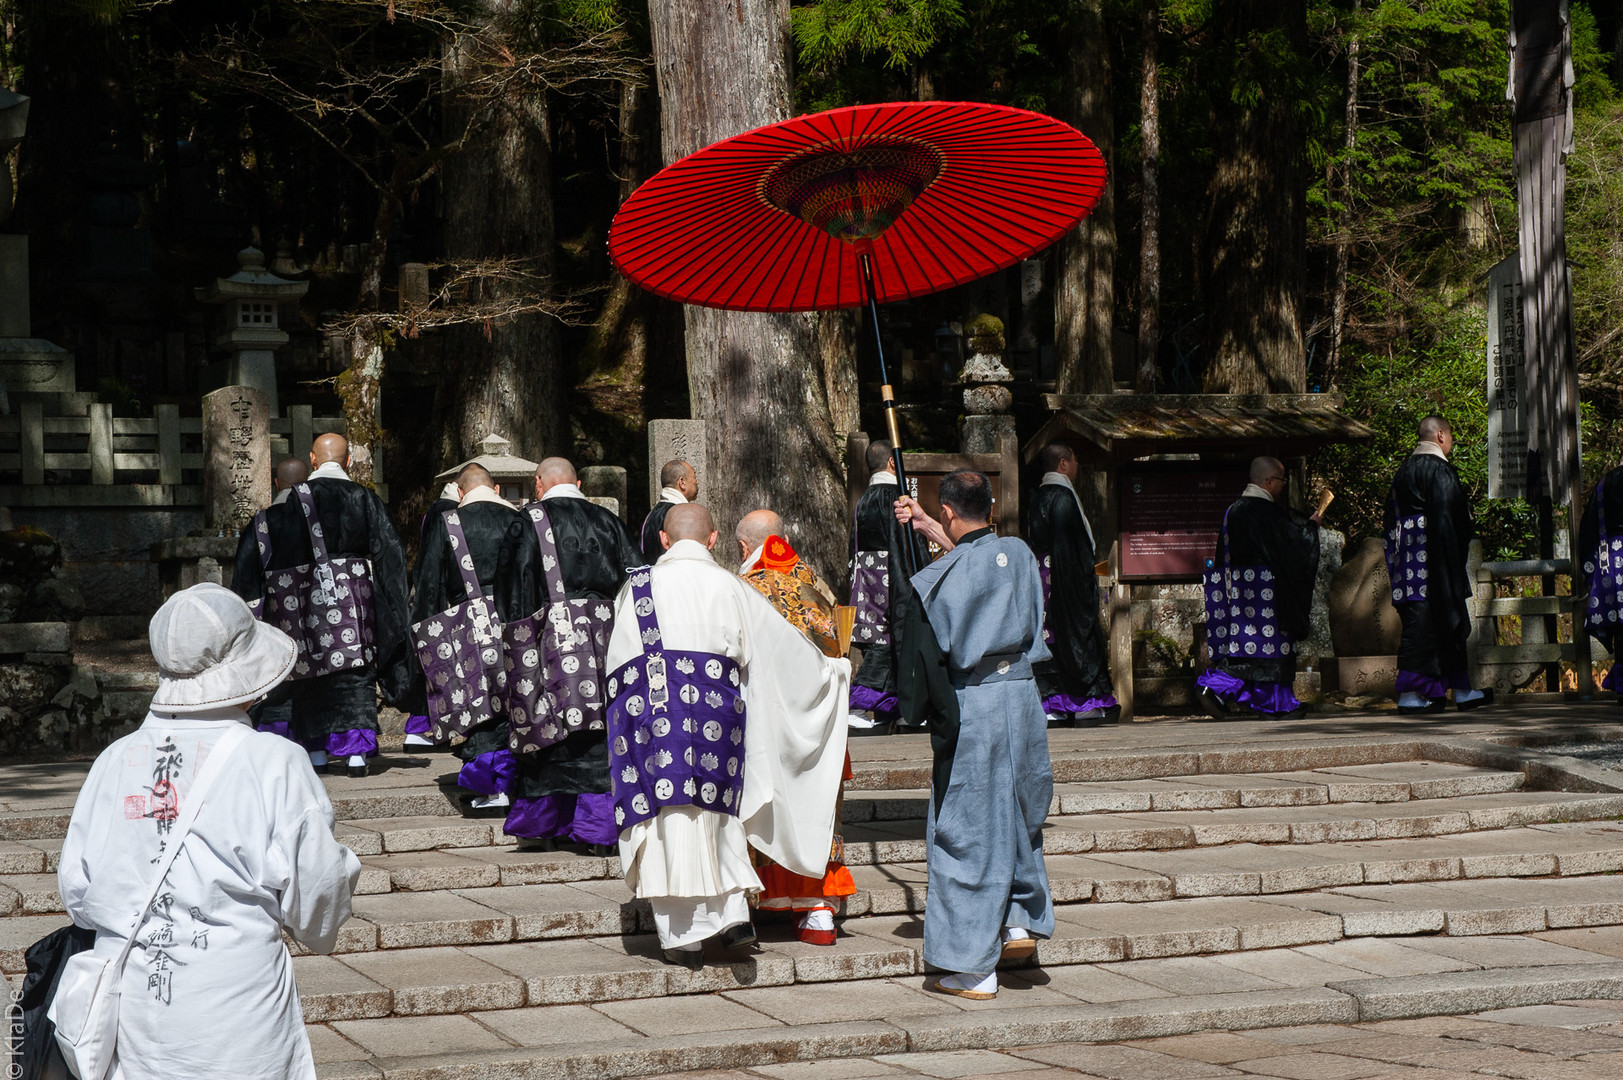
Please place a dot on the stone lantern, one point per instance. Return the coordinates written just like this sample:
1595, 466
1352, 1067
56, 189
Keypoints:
252, 299
514, 476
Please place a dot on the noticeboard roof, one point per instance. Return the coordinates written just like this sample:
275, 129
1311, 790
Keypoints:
1126, 426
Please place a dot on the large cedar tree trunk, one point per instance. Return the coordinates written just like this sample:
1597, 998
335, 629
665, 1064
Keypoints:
497, 196
1256, 228
1149, 259
758, 381
1084, 297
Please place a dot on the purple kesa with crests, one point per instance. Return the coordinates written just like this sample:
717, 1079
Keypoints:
555, 659
324, 606
1045, 571
676, 726
1406, 559
1604, 569
461, 652
870, 595
1241, 617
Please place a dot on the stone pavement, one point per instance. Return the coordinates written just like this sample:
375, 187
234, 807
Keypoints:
1568, 1040
1331, 870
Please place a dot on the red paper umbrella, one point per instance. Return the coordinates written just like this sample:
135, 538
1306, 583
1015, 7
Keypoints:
778, 219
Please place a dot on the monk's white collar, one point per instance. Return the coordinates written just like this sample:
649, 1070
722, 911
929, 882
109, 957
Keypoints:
690, 550
671, 495
1255, 491
486, 494
563, 491
750, 560
281, 496
1430, 448
1064, 481
882, 477
329, 470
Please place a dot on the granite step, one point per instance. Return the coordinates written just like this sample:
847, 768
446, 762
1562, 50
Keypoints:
1464, 922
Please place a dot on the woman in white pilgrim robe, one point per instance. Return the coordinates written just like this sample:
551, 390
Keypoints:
693, 865
208, 988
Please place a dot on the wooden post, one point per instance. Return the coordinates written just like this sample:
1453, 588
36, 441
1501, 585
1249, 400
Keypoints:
1121, 635
101, 444
168, 444
31, 442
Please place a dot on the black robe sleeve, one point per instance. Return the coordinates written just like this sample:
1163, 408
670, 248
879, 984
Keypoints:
390, 610
924, 691
248, 575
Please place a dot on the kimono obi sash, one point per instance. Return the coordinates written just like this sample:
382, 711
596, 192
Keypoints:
1604, 568
1406, 558
870, 595
325, 606
1000, 667
460, 650
1242, 617
555, 658
676, 726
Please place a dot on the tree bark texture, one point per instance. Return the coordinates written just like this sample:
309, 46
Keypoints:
1338, 293
1084, 293
497, 196
1256, 227
759, 381
359, 383
1149, 257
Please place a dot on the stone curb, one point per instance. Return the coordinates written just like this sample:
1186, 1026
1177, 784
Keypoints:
1542, 770
1406, 996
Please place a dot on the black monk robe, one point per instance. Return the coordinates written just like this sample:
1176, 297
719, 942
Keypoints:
355, 523
1435, 629
437, 585
1264, 533
876, 529
1055, 531
595, 552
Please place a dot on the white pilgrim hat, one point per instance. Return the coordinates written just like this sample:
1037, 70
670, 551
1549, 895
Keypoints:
212, 652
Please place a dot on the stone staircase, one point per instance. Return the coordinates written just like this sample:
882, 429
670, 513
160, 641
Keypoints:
1194, 888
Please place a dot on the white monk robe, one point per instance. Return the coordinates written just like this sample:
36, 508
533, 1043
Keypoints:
208, 990
693, 865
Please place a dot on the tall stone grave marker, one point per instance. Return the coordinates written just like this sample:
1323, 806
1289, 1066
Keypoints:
670, 439
236, 456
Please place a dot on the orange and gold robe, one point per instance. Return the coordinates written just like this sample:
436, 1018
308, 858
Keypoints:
801, 597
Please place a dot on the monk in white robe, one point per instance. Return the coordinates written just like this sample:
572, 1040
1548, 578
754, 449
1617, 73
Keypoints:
727, 730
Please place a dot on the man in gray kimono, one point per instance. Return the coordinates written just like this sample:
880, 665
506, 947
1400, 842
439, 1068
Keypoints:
988, 887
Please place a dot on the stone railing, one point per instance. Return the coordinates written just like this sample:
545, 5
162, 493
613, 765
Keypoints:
94, 458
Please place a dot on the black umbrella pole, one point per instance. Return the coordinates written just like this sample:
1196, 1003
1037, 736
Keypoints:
887, 395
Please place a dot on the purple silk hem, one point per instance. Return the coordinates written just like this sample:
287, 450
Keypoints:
584, 819
1427, 686
352, 742
1612, 677
419, 725
489, 774
1266, 697
276, 727
1065, 703
867, 699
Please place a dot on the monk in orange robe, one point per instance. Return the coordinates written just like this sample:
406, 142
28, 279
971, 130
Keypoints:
773, 568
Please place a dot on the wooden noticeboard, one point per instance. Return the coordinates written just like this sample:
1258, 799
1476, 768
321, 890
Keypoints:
1170, 515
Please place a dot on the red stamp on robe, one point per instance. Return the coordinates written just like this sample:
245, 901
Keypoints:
162, 805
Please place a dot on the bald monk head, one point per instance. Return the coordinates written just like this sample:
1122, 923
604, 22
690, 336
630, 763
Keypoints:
329, 447
551, 472
290, 471
688, 521
754, 528
472, 478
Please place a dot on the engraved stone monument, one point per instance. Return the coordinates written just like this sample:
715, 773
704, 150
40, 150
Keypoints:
1364, 626
236, 457
670, 439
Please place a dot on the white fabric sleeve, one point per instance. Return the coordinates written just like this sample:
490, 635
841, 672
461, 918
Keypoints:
72, 875
317, 874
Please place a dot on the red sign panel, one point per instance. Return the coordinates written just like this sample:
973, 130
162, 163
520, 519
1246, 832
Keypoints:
1170, 517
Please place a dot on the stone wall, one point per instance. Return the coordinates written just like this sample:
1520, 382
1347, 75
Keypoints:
106, 552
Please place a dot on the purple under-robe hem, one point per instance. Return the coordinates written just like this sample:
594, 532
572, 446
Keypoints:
1266, 697
489, 774
1427, 686
1065, 703
352, 742
867, 699
419, 725
1612, 677
276, 727
584, 819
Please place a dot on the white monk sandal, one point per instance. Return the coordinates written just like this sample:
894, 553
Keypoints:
964, 985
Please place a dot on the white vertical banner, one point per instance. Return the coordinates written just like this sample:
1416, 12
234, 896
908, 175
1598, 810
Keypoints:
1507, 383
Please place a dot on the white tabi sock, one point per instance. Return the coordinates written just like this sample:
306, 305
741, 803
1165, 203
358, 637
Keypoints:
1091, 714
861, 720
969, 980
419, 740
490, 802
1055, 715
1014, 933
357, 760
817, 919
1411, 700
318, 759
1466, 695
